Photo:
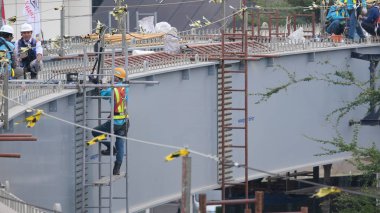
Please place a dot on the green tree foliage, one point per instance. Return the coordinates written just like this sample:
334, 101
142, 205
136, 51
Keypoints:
347, 203
366, 159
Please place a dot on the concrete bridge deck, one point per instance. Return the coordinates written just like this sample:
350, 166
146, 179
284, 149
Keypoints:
182, 111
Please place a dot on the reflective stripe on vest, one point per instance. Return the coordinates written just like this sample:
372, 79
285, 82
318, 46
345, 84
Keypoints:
119, 111
353, 1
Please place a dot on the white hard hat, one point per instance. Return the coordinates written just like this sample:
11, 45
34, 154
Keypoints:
7, 29
26, 27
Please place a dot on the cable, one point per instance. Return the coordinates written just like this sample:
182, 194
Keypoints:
110, 134
215, 158
209, 156
307, 182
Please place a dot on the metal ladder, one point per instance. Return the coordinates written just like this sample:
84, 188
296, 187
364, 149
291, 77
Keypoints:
80, 170
229, 109
104, 179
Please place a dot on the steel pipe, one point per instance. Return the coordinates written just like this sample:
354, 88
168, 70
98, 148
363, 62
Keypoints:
16, 135
6, 139
10, 155
235, 201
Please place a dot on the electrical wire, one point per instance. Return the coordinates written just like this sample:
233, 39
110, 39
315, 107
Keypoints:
209, 156
110, 134
177, 147
308, 182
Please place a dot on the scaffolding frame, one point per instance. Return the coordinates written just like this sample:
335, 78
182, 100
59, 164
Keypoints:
104, 180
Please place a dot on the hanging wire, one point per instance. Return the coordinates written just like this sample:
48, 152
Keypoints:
110, 134
208, 156
215, 158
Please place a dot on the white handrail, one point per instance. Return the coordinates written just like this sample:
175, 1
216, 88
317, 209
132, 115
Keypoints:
15, 203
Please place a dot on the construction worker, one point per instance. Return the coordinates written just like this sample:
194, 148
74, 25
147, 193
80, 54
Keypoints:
29, 51
337, 18
120, 119
371, 22
355, 8
6, 36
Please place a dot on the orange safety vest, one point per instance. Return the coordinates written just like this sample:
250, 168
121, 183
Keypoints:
119, 108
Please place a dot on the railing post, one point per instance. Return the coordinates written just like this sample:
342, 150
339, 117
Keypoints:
304, 210
4, 67
186, 184
202, 203
259, 196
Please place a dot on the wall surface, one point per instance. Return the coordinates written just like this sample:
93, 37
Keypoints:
181, 111
278, 135
44, 174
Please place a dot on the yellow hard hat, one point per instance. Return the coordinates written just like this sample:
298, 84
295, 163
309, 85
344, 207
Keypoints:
120, 72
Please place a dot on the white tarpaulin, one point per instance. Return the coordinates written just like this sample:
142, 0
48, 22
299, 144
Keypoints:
32, 12
171, 42
146, 24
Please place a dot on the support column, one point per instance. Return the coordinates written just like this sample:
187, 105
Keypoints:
327, 174
316, 174
186, 184
202, 203
61, 51
259, 198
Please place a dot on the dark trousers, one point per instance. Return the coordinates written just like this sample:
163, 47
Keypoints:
353, 24
121, 130
33, 75
336, 27
370, 28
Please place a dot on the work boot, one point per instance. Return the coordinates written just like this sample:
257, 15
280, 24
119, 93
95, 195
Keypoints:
108, 151
116, 168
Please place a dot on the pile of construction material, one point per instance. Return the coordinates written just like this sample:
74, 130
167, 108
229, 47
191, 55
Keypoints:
116, 38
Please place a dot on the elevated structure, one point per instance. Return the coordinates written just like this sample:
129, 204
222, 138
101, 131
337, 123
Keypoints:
190, 107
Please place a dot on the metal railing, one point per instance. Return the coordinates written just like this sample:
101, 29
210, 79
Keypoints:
15, 203
163, 64
57, 70
27, 90
282, 45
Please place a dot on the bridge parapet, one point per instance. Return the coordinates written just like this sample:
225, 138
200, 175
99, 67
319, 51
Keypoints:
26, 90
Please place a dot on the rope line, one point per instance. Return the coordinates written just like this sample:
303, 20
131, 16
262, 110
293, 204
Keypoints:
209, 156
110, 134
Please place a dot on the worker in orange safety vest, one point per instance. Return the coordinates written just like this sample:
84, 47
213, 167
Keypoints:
120, 119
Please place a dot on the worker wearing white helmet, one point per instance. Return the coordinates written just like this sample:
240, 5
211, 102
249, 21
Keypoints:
29, 51
6, 36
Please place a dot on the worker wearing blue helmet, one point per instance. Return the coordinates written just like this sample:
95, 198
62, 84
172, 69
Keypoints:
6, 36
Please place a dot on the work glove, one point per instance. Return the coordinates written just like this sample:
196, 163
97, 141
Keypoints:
39, 57
364, 10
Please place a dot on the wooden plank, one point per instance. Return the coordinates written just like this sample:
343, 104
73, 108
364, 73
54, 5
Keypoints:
106, 180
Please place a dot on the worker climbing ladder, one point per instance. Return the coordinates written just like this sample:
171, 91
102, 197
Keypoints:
90, 165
